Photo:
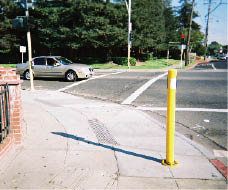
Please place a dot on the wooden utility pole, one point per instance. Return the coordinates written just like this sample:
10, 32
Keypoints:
189, 36
207, 28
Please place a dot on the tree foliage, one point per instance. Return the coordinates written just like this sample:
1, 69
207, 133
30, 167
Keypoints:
214, 48
184, 15
82, 28
9, 37
149, 24
197, 37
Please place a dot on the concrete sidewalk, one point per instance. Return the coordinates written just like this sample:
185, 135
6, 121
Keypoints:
76, 143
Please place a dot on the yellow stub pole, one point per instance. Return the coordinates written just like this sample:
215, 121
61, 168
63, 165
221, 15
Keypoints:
171, 107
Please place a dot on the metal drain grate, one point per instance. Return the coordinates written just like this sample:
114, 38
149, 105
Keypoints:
101, 132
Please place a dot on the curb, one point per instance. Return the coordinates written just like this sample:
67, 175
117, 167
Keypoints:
175, 66
220, 167
192, 66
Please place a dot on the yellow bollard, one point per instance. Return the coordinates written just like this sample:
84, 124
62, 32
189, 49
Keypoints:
171, 106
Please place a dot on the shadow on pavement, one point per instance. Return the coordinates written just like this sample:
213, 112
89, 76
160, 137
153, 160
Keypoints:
107, 146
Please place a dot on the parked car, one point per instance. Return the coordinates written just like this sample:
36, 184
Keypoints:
56, 67
222, 56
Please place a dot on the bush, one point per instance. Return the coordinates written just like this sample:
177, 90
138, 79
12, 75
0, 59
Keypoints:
124, 60
89, 60
146, 56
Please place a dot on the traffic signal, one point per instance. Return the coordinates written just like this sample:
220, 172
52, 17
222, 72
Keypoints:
18, 22
23, 22
182, 38
131, 36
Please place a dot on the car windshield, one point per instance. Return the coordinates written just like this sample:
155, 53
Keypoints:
64, 60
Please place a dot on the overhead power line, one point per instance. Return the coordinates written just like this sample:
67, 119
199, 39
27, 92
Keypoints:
211, 11
207, 16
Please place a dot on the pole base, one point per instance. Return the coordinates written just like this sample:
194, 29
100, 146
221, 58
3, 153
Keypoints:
175, 163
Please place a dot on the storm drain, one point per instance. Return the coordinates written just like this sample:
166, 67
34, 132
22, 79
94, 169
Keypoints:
101, 132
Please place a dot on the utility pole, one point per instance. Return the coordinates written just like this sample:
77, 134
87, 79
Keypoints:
129, 32
189, 36
208, 19
207, 27
29, 44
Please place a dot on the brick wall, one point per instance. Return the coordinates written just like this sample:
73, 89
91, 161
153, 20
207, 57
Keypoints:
8, 75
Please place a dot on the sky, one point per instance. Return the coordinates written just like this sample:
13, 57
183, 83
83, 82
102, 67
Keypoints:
218, 19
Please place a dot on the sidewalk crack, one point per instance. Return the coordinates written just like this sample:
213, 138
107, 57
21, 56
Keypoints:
67, 143
118, 171
174, 178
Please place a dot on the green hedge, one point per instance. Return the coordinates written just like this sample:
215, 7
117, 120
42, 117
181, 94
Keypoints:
89, 60
124, 60
146, 56
117, 60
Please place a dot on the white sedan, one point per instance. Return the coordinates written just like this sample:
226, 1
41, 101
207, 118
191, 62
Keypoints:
56, 67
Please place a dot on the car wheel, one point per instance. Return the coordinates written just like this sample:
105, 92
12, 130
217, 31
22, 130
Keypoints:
71, 76
26, 75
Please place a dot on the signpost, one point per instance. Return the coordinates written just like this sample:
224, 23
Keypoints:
22, 50
181, 47
21, 22
128, 5
129, 33
27, 6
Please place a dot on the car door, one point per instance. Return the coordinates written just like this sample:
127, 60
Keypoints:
39, 66
54, 68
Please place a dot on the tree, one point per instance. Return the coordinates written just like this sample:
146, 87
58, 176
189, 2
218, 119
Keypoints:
184, 16
9, 41
148, 25
214, 48
91, 26
75, 28
171, 25
197, 36
196, 42
225, 49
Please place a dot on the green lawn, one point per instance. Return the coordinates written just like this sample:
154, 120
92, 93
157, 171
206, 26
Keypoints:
9, 65
151, 64
161, 63
188, 66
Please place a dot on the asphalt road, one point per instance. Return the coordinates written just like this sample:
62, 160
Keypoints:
203, 87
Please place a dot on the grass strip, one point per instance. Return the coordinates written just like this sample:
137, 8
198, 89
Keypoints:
150, 64
9, 65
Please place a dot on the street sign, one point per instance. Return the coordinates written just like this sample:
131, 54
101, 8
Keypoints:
182, 46
23, 49
130, 26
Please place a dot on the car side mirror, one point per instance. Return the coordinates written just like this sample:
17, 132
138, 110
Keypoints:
57, 64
